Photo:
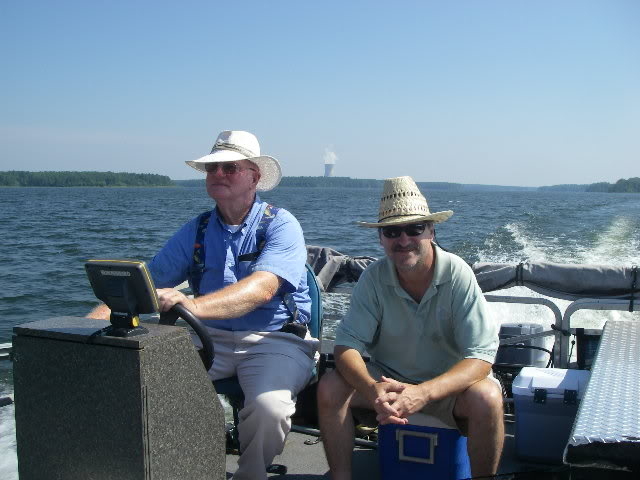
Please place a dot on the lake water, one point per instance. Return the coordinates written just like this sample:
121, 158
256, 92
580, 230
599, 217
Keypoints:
46, 235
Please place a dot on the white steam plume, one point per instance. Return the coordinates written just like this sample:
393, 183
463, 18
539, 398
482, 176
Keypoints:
329, 157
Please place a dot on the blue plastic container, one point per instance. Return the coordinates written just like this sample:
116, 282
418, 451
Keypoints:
425, 448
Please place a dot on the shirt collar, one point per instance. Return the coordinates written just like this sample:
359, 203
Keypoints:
442, 273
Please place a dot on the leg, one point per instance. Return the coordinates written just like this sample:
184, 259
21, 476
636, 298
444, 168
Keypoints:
480, 409
270, 382
224, 364
335, 400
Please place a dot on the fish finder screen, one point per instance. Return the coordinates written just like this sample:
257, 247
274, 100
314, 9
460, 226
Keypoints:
125, 286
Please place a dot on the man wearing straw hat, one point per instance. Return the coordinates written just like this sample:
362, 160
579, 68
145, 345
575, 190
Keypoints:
247, 271
421, 316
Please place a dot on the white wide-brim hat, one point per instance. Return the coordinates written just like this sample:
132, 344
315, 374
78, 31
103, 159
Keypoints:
235, 145
403, 204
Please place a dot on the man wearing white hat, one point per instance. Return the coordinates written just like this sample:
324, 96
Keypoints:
245, 262
421, 316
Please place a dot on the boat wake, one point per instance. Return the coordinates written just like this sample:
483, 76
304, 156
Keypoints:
619, 244
8, 458
615, 245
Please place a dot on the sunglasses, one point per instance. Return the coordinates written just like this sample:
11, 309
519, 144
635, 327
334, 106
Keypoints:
412, 230
228, 168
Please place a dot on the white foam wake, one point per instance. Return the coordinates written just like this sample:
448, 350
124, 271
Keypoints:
8, 458
618, 244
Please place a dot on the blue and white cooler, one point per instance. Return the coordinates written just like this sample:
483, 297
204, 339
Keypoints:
546, 401
424, 448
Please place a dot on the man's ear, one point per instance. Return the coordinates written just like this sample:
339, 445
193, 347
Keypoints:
256, 173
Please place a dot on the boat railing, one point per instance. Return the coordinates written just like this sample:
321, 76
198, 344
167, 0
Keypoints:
560, 354
561, 329
595, 304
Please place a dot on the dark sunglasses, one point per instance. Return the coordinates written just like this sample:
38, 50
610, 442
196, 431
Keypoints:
228, 168
412, 230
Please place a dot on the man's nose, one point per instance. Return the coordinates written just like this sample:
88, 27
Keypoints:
404, 239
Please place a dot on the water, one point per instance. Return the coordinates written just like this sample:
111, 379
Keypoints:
47, 234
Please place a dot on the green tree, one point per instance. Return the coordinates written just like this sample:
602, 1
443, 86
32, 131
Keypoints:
82, 179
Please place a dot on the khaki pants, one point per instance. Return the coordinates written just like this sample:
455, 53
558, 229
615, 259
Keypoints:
272, 368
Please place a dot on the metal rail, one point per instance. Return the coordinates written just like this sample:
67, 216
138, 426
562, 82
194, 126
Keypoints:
561, 352
562, 322
594, 304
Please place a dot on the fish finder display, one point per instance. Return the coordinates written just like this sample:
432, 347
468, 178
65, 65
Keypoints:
125, 286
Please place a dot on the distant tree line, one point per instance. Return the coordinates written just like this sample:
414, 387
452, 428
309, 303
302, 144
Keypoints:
344, 182
82, 179
332, 182
199, 182
427, 186
123, 179
564, 188
630, 185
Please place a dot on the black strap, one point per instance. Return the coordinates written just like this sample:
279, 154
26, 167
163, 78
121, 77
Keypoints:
520, 274
634, 282
197, 269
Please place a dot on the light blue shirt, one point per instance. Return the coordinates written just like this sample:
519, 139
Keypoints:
284, 254
417, 341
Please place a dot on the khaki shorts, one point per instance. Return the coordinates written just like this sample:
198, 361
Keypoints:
440, 409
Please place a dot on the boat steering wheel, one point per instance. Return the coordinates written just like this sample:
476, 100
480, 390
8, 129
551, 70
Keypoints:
170, 317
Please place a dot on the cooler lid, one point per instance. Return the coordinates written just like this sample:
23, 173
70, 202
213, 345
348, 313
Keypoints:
554, 380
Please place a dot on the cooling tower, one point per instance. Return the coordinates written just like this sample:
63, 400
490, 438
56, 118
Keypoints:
328, 169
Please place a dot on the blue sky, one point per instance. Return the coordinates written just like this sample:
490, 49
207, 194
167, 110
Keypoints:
493, 92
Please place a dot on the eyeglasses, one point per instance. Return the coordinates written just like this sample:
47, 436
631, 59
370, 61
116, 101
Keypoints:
228, 168
412, 230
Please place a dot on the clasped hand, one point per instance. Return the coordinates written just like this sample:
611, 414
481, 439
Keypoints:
396, 401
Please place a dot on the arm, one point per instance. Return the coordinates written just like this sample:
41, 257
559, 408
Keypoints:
101, 312
231, 301
355, 334
453, 382
280, 266
351, 366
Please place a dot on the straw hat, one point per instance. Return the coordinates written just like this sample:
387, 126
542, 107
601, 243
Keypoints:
235, 145
402, 204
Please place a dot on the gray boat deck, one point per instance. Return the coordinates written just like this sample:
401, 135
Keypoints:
619, 350
308, 462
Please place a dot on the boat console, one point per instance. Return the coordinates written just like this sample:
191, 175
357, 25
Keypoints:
112, 399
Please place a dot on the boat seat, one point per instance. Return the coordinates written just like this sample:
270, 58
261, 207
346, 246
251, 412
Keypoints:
230, 387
